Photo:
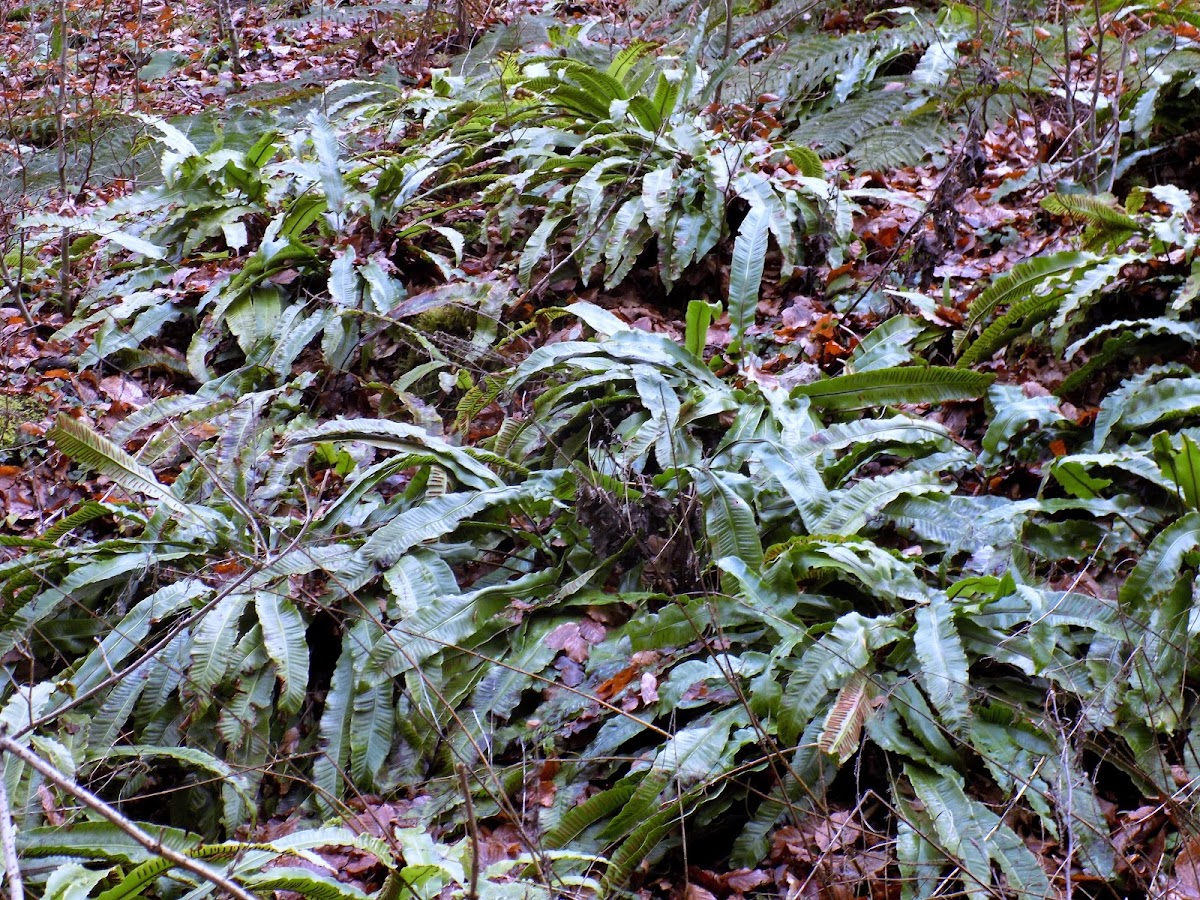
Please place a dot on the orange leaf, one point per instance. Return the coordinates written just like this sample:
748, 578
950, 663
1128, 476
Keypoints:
616, 684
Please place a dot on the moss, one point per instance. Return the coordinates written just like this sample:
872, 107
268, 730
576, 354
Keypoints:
15, 412
448, 319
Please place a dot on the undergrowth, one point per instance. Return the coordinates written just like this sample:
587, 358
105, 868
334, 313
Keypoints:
417, 527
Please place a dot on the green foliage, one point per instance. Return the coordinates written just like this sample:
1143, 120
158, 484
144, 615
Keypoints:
660, 596
1066, 288
615, 160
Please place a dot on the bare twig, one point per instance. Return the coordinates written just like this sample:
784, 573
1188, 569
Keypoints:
472, 833
90, 800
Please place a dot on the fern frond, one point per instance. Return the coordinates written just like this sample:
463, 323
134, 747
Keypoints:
590, 811
842, 730
78, 441
635, 847
903, 144
1021, 283
1018, 320
837, 130
888, 387
1107, 224
1112, 349
1091, 210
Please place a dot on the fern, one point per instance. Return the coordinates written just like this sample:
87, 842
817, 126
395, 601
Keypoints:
592, 810
843, 725
1024, 281
1107, 225
1019, 319
897, 146
81, 443
837, 130
943, 660
634, 848
888, 387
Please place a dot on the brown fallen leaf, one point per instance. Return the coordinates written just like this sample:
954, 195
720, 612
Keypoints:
1185, 884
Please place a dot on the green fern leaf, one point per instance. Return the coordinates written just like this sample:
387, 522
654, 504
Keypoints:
1024, 281
1181, 466
136, 881
850, 509
803, 483
88, 511
305, 882
806, 161
100, 841
212, 649
1158, 569
635, 848
126, 637
943, 661
105, 725
1018, 320
746, 271
283, 630
960, 826
622, 66
729, 520
78, 441
431, 519
371, 731
888, 387
1107, 223
578, 818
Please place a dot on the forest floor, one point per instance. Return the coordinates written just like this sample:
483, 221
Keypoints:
164, 58
951, 224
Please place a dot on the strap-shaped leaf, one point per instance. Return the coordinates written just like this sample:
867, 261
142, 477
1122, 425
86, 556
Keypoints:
729, 520
371, 731
842, 731
137, 879
886, 346
803, 483
943, 660
104, 727
127, 636
1158, 569
1020, 284
283, 631
746, 271
1017, 320
334, 730
590, 811
99, 840
849, 509
78, 441
431, 519
622, 66
888, 387
961, 826
403, 438
212, 648
305, 882
635, 847
1095, 211
1182, 466
836, 655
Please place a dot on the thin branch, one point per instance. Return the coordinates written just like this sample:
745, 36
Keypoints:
472, 833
